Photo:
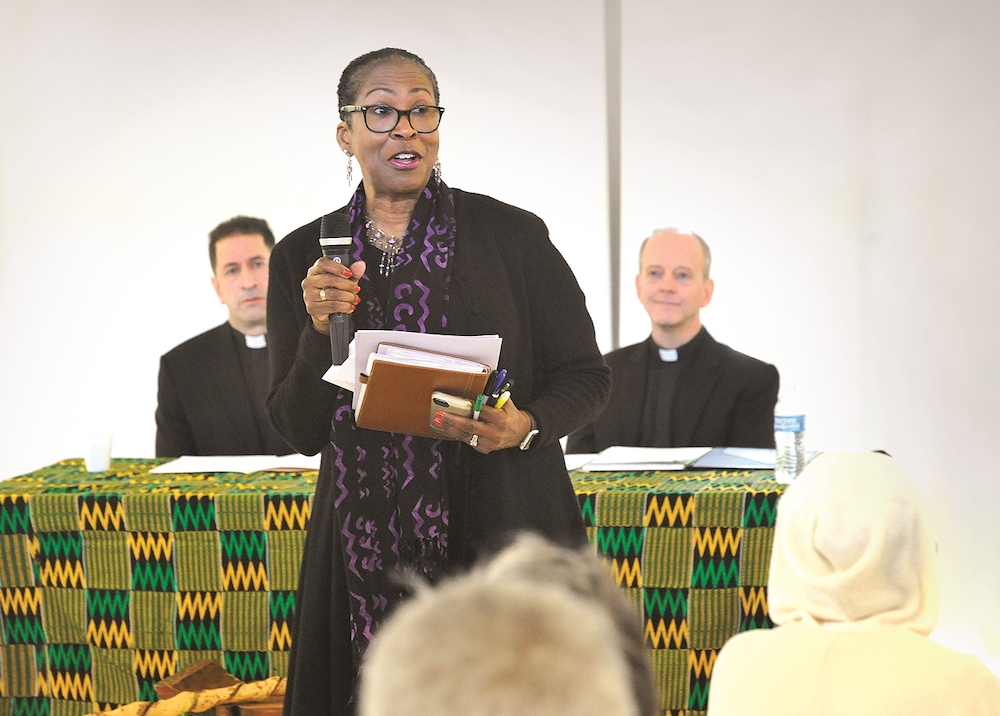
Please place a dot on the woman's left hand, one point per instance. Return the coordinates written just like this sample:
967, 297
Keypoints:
495, 429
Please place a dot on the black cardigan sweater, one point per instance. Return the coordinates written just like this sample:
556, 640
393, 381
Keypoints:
507, 278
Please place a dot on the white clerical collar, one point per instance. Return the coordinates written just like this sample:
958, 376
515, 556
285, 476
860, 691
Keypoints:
668, 355
261, 341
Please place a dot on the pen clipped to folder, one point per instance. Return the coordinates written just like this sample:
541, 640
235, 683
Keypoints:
496, 399
496, 393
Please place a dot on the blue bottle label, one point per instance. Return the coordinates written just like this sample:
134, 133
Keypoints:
789, 423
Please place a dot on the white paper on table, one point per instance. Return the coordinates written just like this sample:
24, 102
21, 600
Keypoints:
622, 457
195, 464
578, 460
292, 463
764, 456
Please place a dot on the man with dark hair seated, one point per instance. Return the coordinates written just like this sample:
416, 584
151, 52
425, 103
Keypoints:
213, 387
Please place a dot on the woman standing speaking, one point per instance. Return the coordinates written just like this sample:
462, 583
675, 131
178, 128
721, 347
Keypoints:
425, 258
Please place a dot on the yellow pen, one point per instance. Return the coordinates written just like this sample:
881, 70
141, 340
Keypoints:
504, 397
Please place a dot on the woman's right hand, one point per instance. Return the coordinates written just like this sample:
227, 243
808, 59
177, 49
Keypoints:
330, 287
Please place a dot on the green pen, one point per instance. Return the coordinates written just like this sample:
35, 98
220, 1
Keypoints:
478, 406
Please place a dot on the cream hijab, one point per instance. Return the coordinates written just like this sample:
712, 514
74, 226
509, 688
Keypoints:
850, 548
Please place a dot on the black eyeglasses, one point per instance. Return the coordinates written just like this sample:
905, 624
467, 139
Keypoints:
381, 118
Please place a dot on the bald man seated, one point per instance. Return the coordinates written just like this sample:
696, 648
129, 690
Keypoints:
679, 387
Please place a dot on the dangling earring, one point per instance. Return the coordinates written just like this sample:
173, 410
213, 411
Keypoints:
350, 166
437, 170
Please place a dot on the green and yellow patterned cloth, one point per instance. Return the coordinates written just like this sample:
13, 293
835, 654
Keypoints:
692, 551
112, 581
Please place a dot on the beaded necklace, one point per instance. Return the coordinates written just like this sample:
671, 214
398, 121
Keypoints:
388, 244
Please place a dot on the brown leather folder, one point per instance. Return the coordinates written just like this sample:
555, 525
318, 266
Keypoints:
397, 397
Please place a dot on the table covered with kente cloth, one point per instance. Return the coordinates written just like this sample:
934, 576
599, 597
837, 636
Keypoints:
112, 581
692, 551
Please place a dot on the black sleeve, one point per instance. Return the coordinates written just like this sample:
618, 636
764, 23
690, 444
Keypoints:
753, 416
173, 433
582, 441
300, 403
574, 378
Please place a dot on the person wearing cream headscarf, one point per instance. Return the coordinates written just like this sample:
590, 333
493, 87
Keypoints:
853, 592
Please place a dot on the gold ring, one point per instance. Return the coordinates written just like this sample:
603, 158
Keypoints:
473, 441
322, 294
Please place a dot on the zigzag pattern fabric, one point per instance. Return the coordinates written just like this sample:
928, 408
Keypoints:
692, 551
110, 582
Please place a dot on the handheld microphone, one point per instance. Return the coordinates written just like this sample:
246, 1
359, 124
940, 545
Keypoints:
335, 240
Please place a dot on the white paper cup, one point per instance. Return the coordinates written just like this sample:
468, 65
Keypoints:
99, 452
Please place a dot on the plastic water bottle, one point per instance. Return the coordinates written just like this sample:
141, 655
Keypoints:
789, 441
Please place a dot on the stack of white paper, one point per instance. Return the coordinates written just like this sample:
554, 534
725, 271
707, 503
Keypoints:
200, 464
484, 349
412, 356
620, 457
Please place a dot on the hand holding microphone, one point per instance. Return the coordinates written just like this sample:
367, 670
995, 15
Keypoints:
337, 286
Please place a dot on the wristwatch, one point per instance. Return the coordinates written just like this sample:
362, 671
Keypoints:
526, 443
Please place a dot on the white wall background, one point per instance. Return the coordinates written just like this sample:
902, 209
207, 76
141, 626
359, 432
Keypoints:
842, 159
128, 131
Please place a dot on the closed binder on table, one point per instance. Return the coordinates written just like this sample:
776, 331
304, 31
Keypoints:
396, 395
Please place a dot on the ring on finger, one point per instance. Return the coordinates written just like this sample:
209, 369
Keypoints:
322, 294
473, 441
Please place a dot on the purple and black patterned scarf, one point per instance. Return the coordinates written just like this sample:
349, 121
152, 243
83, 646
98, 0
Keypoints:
391, 501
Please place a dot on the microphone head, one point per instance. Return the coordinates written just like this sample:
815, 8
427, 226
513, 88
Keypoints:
335, 237
334, 225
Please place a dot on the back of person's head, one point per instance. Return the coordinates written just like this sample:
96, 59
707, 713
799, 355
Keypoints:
533, 558
851, 548
507, 639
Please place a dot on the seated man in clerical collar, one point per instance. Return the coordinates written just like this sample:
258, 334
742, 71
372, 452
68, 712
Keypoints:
213, 387
679, 387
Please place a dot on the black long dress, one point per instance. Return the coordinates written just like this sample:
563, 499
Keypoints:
505, 277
